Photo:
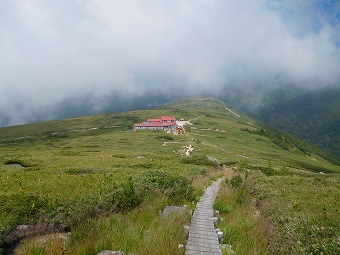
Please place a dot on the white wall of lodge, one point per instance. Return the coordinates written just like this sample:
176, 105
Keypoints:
161, 128
155, 128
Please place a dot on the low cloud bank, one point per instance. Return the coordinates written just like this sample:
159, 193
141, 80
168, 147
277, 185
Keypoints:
64, 58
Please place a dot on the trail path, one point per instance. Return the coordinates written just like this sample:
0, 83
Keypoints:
203, 239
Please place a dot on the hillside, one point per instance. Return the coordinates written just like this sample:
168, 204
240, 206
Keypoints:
313, 116
87, 172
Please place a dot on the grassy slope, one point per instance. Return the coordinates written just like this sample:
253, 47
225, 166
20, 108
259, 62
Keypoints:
64, 166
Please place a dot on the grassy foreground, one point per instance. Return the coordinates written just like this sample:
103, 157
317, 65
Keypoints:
141, 231
281, 214
108, 184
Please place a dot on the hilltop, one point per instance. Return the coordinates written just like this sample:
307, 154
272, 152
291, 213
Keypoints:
75, 170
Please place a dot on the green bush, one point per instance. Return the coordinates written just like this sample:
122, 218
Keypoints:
268, 170
126, 196
229, 163
22, 205
314, 168
164, 138
222, 207
241, 198
119, 155
20, 162
285, 171
74, 171
130, 193
175, 186
236, 181
199, 160
197, 171
145, 165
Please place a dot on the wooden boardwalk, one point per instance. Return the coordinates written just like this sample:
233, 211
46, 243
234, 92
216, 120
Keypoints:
203, 239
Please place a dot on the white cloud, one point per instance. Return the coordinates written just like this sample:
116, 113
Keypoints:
55, 49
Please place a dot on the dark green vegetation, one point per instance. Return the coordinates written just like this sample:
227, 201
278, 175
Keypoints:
108, 183
313, 116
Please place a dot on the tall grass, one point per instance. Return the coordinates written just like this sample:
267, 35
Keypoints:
303, 213
241, 223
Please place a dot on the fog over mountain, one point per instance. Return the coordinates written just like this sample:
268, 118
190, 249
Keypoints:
73, 57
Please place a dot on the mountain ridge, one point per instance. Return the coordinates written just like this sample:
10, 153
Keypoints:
125, 120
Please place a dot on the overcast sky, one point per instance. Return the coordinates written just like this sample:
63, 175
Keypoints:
53, 50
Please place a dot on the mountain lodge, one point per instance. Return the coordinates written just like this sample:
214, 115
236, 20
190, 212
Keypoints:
162, 123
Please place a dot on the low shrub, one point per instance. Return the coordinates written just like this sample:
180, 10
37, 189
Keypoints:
229, 163
314, 168
119, 155
268, 170
22, 163
22, 205
175, 186
69, 153
241, 197
127, 196
285, 171
222, 207
221, 137
75, 171
132, 192
197, 171
236, 181
145, 165
199, 160
164, 138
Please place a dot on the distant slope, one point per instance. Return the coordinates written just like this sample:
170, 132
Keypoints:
313, 116
206, 112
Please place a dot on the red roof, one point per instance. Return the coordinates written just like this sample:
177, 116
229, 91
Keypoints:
167, 118
169, 124
164, 121
154, 120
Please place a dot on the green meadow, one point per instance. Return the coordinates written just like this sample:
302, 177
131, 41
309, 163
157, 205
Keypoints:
107, 183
